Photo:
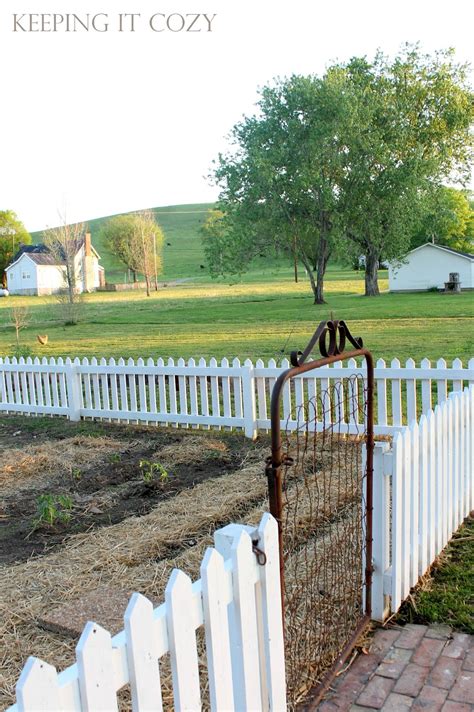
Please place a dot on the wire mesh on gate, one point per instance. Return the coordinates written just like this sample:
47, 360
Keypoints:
323, 526
320, 490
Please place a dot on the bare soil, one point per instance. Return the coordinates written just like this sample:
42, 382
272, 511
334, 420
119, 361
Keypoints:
105, 471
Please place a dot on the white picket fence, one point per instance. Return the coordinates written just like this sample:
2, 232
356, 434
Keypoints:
237, 601
225, 395
423, 489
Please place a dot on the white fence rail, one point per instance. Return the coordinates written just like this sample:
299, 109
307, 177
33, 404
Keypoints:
229, 395
423, 489
239, 604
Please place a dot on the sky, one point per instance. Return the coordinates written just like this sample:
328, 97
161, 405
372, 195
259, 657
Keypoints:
103, 122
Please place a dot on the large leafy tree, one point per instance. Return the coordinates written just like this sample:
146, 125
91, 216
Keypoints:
412, 130
279, 183
12, 235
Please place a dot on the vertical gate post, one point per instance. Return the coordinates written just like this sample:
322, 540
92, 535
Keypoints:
380, 529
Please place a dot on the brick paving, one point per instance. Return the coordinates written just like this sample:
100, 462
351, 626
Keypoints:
414, 667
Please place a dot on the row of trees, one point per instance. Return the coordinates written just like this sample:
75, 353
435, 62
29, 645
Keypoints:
351, 163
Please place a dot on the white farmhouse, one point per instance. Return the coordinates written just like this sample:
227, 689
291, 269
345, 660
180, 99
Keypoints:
429, 266
34, 270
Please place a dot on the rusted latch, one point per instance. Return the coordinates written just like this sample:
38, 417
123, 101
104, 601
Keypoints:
270, 468
261, 556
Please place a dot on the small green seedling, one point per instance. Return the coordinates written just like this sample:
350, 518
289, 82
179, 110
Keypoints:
150, 469
76, 473
115, 457
52, 509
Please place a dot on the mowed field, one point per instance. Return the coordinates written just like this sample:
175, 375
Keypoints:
265, 316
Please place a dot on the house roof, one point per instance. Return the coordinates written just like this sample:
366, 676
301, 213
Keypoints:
42, 255
468, 255
38, 253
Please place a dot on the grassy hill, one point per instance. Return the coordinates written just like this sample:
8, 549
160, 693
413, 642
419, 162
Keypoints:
182, 253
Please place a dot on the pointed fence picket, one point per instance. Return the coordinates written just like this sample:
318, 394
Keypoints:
423, 490
224, 395
237, 601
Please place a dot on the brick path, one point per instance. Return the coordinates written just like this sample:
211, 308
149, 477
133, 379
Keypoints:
414, 667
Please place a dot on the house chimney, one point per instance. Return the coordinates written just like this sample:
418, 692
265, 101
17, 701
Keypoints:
87, 245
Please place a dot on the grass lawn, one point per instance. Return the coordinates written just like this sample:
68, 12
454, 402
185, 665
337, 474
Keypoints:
257, 318
447, 595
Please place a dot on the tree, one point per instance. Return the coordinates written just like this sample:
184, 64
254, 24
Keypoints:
447, 219
64, 242
279, 183
12, 235
137, 239
412, 130
116, 233
20, 318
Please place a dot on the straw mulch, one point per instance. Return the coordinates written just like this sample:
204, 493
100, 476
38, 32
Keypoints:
191, 449
20, 469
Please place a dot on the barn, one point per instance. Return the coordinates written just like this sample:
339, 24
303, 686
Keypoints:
35, 271
429, 266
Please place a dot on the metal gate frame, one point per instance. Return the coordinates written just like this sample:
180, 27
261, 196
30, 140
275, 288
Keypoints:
331, 337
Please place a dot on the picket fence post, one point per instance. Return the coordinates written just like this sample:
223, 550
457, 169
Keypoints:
73, 393
250, 405
381, 528
228, 542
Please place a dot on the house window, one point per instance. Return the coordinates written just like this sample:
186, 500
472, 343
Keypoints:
25, 275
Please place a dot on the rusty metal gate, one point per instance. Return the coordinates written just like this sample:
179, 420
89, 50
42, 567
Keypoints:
320, 491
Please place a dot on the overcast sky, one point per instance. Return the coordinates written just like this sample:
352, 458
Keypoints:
97, 123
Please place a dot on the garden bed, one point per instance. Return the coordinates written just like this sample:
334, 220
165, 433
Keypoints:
213, 478
70, 479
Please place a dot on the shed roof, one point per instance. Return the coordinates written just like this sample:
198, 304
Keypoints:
468, 255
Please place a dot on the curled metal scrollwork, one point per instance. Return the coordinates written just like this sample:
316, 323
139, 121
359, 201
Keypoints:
331, 337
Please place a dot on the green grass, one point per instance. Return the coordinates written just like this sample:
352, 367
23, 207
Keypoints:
182, 251
257, 318
447, 596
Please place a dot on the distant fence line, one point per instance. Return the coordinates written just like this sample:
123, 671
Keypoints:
231, 395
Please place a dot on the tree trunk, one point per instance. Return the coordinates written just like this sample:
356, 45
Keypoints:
295, 259
147, 279
371, 274
134, 276
70, 283
323, 257
310, 274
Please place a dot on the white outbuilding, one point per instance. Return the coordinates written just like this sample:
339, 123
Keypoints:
34, 270
430, 266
